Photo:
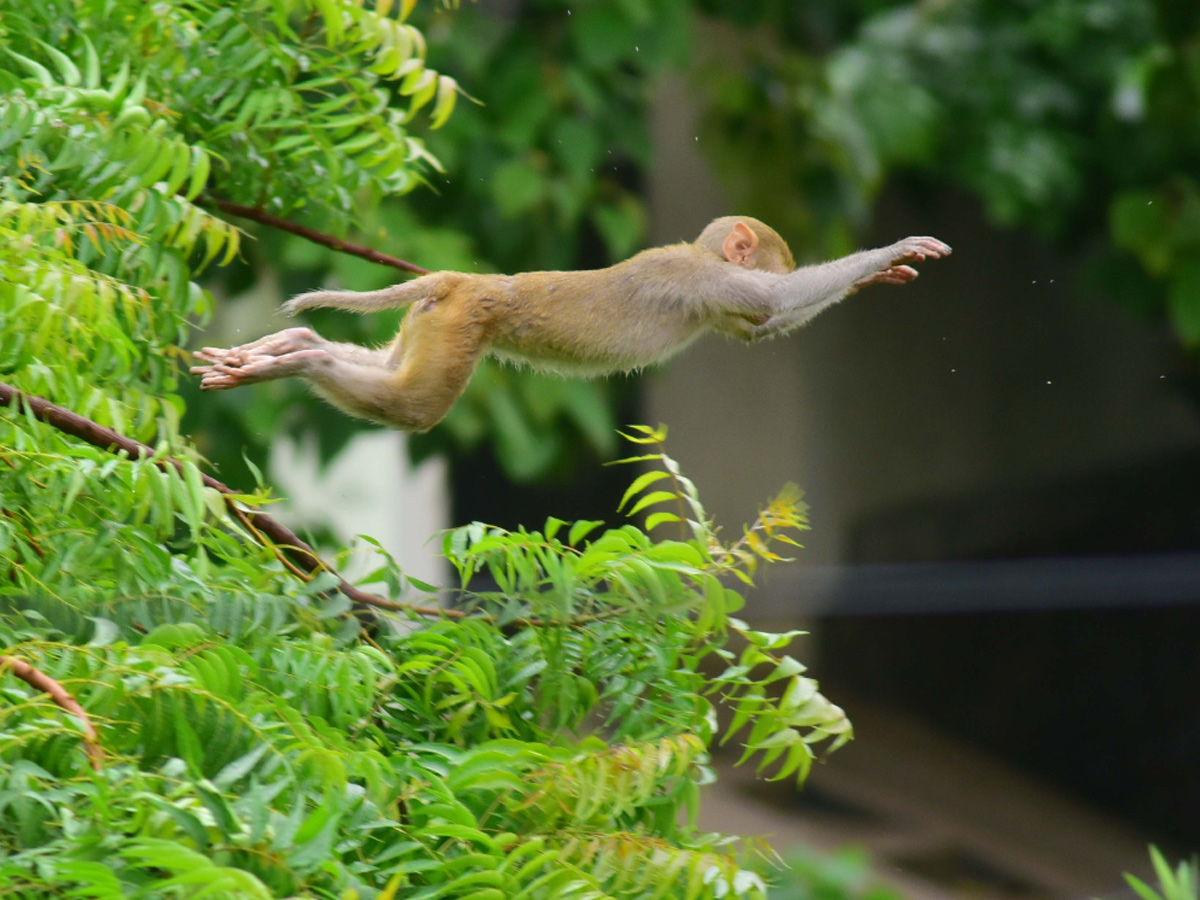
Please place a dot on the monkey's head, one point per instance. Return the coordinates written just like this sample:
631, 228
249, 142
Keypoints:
747, 242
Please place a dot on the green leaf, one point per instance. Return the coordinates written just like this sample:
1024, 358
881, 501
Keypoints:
37, 70
66, 68
1139, 221
622, 225
199, 174
640, 484
443, 106
581, 529
659, 518
1184, 302
577, 147
552, 527
223, 815
92, 79
195, 488
602, 35
240, 767
650, 499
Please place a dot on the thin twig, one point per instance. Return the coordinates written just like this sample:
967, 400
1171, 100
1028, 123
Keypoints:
241, 516
279, 535
33, 542
263, 217
39, 680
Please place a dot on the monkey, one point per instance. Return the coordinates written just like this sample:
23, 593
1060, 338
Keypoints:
738, 278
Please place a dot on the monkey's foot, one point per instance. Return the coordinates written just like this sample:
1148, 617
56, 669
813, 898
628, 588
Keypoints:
286, 353
221, 376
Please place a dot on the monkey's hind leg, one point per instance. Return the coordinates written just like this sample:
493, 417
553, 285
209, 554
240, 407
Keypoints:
427, 369
410, 386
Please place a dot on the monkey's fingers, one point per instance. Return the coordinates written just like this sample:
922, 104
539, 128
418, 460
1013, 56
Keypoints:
892, 275
918, 249
212, 378
228, 356
231, 357
932, 247
898, 275
222, 378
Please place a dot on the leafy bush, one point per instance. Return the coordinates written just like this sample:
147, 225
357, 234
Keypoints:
254, 742
189, 706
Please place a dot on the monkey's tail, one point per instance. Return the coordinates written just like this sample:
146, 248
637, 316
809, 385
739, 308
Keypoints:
362, 301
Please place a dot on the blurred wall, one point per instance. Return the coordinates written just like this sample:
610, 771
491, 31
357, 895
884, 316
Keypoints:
370, 488
988, 371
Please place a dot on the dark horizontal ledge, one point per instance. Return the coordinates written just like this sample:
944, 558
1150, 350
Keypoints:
1136, 581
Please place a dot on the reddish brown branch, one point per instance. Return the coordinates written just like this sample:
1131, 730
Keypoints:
269, 531
33, 542
40, 681
317, 237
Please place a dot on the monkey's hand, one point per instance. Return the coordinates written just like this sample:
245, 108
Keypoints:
916, 249
890, 275
286, 353
909, 250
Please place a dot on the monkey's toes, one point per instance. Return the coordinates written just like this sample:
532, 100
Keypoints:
215, 381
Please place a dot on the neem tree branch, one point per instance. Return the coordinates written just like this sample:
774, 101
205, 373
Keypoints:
317, 237
270, 532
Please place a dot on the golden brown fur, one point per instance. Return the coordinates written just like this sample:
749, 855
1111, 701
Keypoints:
738, 278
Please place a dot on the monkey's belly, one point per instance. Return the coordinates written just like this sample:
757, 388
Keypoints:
589, 359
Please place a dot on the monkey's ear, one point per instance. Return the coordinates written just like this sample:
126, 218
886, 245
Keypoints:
740, 245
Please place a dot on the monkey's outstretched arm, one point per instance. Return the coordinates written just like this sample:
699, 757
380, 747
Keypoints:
811, 289
782, 323
763, 304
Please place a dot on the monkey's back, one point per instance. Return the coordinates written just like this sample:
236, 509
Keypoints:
595, 322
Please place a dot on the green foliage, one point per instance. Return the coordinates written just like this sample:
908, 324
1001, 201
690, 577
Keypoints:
255, 742
1074, 117
118, 118
257, 745
285, 101
1178, 884
844, 875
